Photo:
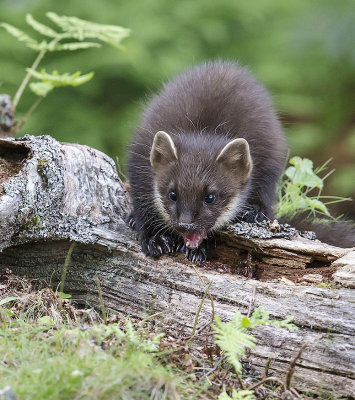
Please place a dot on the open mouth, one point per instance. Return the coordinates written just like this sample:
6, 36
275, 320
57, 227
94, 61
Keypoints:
193, 240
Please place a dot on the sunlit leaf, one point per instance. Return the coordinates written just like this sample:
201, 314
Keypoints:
238, 395
21, 36
81, 29
43, 29
8, 300
64, 296
41, 88
45, 320
75, 46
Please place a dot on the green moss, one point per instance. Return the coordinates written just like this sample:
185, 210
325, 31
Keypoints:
41, 169
327, 285
33, 223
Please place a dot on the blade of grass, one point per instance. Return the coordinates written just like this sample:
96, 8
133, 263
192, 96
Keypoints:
65, 267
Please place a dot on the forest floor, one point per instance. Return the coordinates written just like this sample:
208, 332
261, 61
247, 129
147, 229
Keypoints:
53, 349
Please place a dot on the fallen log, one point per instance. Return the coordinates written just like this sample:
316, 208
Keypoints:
53, 194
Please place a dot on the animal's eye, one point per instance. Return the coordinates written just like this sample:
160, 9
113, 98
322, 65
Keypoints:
210, 198
172, 196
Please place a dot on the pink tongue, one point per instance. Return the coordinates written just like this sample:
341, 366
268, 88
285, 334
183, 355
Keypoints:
193, 240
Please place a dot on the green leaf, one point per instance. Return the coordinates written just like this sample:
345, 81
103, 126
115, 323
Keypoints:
75, 46
21, 36
238, 395
294, 192
41, 89
50, 81
45, 320
81, 29
43, 29
245, 322
259, 317
302, 173
66, 79
286, 323
9, 299
224, 396
64, 296
318, 205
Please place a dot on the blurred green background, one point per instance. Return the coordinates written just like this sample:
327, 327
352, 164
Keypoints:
303, 51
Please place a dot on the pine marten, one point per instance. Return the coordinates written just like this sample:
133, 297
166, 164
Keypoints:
209, 150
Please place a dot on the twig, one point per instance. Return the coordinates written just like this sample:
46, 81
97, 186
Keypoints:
197, 335
119, 170
199, 310
198, 332
151, 317
27, 115
213, 368
212, 305
252, 301
240, 382
269, 379
291, 369
24, 83
266, 371
55, 296
294, 391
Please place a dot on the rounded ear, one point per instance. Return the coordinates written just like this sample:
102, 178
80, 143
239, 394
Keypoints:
163, 150
235, 157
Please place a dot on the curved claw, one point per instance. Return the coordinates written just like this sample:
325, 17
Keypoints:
157, 245
253, 214
131, 221
197, 255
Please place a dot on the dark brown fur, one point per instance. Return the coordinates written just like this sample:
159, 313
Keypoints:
202, 110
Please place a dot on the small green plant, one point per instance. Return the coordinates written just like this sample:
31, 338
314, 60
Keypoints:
233, 339
301, 188
326, 285
238, 395
73, 34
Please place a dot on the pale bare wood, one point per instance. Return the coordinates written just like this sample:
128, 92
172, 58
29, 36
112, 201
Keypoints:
65, 192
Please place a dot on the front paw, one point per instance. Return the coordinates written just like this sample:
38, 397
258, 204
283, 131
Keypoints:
157, 245
130, 221
253, 214
197, 255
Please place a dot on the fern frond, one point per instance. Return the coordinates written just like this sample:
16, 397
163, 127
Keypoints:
260, 317
61, 80
49, 81
286, 323
21, 36
81, 29
41, 28
233, 339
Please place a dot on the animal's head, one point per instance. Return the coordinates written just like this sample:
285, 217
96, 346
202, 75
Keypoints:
199, 182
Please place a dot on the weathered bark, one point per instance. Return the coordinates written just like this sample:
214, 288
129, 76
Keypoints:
7, 116
60, 193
